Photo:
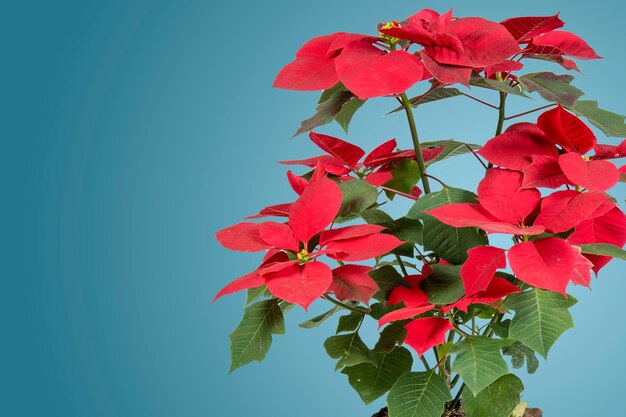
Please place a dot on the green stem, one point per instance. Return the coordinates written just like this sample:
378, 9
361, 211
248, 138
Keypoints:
416, 143
530, 111
456, 400
346, 306
425, 362
501, 114
402, 267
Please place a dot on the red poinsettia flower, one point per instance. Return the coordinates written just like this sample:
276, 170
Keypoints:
455, 47
542, 41
293, 272
550, 264
344, 158
354, 60
503, 206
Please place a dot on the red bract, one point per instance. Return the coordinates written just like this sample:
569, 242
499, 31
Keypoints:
525, 28
560, 42
607, 228
504, 206
603, 151
497, 289
453, 47
303, 280
353, 59
544, 171
424, 333
480, 267
563, 210
592, 175
371, 72
564, 129
549, 263
352, 282
516, 147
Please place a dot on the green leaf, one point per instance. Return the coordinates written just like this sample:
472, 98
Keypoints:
377, 310
521, 354
541, 317
330, 106
356, 196
372, 381
490, 84
552, 87
387, 278
611, 124
252, 338
317, 320
450, 243
433, 95
349, 349
444, 285
451, 148
603, 249
391, 336
349, 323
497, 400
501, 329
344, 117
479, 361
418, 394
253, 294
405, 176
379, 217
409, 230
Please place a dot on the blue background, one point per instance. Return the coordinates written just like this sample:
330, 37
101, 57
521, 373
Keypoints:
133, 130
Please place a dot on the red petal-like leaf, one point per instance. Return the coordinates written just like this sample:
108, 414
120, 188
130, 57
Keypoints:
300, 284
484, 43
444, 73
278, 210
279, 235
381, 152
329, 163
352, 282
362, 248
411, 296
370, 72
592, 175
564, 210
545, 263
312, 69
379, 178
505, 67
603, 151
566, 43
525, 27
424, 333
501, 194
315, 209
244, 237
349, 232
403, 314
498, 289
565, 129
347, 153
482, 263
582, 269
544, 171
251, 280
608, 228
515, 148
474, 215
298, 184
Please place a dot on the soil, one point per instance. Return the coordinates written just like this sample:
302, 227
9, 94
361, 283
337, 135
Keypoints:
458, 412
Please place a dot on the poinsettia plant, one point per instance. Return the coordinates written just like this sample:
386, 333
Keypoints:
430, 281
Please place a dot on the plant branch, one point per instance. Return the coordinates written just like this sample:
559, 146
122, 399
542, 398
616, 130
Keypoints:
530, 111
400, 193
480, 101
346, 306
402, 267
476, 155
416, 143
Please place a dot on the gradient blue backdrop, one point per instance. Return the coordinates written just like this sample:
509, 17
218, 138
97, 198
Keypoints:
133, 130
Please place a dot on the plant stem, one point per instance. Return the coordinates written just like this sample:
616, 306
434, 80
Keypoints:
480, 101
530, 111
402, 267
416, 143
501, 114
346, 306
456, 400
425, 362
